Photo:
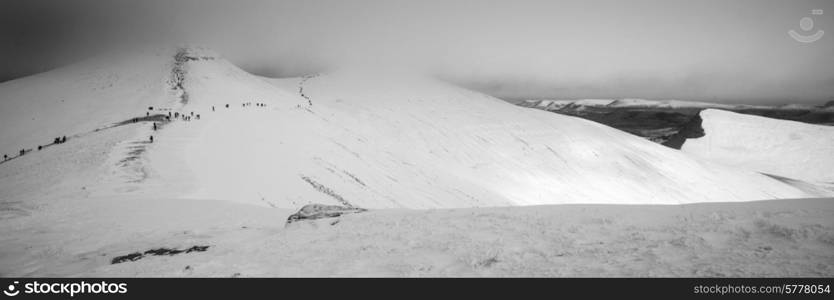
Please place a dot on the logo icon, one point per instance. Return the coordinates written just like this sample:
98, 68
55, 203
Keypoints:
807, 25
12, 290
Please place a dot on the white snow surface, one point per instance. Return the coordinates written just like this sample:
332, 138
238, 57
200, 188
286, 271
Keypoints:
381, 144
784, 148
777, 238
80, 98
230, 179
373, 141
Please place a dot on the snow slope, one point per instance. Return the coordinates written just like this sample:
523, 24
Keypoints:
778, 238
378, 143
369, 140
230, 179
778, 147
81, 98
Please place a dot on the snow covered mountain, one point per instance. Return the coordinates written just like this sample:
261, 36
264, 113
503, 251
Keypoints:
777, 147
373, 141
224, 180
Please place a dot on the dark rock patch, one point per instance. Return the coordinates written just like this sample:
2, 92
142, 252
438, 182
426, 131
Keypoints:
126, 258
156, 252
321, 211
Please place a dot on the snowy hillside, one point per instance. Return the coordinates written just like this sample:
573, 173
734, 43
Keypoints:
211, 193
783, 148
374, 141
764, 238
80, 98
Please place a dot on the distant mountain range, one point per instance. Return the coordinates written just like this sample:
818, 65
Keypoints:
676, 104
661, 120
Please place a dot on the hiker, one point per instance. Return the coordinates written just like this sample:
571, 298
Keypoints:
56, 141
169, 115
192, 113
154, 126
5, 157
147, 114
176, 115
40, 147
151, 139
212, 108
64, 139
227, 105
198, 116
22, 152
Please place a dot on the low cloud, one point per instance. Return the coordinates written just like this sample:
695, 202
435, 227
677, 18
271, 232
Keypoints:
728, 51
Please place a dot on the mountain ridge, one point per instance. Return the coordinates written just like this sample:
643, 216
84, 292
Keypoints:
373, 141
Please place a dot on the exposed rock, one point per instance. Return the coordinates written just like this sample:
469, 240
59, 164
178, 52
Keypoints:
159, 251
321, 211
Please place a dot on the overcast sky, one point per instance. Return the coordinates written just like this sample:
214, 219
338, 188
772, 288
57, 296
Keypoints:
735, 51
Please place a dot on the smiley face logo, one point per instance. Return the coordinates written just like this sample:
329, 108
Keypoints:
12, 290
807, 25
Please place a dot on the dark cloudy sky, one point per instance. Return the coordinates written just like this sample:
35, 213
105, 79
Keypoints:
728, 50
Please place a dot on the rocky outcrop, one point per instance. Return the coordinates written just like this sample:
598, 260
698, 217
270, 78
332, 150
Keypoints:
178, 72
321, 211
179, 69
156, 252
